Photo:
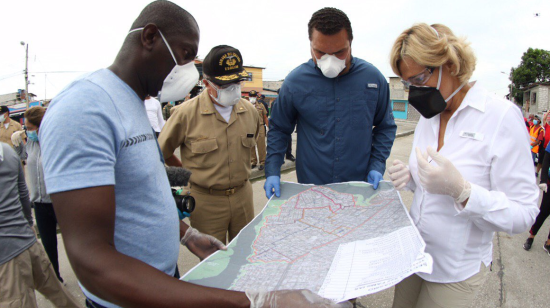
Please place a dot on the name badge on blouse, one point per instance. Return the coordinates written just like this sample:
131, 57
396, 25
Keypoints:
475, 136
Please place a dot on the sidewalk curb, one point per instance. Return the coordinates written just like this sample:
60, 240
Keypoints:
289, 166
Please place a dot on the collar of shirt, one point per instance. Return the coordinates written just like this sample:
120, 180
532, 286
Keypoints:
475, 98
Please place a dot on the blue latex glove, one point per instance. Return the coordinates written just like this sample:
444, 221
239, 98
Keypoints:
272, 183
374, 177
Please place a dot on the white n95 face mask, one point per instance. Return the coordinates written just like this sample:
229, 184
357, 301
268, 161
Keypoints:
330, 65
181, 79
228, 96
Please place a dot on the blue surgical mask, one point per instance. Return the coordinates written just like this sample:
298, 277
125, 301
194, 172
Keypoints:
32, 135
536, 122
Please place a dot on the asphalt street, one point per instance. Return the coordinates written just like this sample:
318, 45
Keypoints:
518, 278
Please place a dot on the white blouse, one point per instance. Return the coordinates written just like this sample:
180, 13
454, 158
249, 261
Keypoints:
487, 141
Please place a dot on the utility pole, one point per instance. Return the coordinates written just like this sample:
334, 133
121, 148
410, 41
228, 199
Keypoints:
26, 73
27, 76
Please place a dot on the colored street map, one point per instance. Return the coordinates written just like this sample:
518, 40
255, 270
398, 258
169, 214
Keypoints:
340, 240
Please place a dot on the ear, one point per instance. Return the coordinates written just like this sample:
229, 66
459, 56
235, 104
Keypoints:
209, 88
149, 36
452, 68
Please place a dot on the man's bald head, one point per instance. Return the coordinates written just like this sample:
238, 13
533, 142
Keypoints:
170, 18
166, 35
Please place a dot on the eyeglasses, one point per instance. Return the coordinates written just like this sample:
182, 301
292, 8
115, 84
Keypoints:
419, 79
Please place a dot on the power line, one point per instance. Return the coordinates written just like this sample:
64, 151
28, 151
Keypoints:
11, 76
58, 72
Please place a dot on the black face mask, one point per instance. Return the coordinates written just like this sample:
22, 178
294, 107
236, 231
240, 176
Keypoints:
427, 100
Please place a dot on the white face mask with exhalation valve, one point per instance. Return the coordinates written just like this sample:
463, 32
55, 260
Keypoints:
181, 79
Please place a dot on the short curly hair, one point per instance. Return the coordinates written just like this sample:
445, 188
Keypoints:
329, 21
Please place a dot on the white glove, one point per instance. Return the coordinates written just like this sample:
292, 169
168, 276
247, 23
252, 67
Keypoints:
200, 244
543, 187
443, 179
399, 174
17, 138
291, 298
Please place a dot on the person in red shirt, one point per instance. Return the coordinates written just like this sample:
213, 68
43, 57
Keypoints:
546, 126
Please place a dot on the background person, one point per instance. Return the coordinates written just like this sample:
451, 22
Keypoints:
477, 181
546, 126
536, 134
154, 113
340, 105
24, 266
43, 207
261, 99
544, 207
260, 145
7, 126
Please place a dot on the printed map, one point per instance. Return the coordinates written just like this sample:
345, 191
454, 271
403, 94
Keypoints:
293, 242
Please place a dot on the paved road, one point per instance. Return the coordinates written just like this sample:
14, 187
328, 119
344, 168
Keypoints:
518, 279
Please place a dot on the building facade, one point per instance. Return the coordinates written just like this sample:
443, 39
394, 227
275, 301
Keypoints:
255, 80
536, 99
399, 99
15, 98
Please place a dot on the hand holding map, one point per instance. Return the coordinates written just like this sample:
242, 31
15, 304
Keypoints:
291, 298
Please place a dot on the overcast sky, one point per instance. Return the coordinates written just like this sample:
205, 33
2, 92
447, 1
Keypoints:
78, 36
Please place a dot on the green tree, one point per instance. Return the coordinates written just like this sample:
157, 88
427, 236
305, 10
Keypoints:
534, 67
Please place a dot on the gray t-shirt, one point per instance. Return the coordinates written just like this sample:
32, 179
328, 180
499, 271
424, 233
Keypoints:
35, 173
96, 133
16, 234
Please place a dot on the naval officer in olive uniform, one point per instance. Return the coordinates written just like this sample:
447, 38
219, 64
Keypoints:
216, 132
261, 138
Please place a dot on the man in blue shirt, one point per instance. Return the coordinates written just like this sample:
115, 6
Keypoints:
340, 105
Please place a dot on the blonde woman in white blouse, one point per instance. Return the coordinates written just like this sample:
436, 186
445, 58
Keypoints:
470, 168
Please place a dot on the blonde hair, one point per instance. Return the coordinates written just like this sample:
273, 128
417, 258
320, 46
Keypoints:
434, 46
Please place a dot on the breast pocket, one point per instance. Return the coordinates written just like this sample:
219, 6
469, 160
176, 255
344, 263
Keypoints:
205, 153
313, 109
248, 143
363, 108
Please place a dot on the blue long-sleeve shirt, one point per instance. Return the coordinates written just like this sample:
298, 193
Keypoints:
345, 124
